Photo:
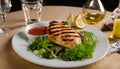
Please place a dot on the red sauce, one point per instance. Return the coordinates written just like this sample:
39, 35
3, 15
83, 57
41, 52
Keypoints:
40, 30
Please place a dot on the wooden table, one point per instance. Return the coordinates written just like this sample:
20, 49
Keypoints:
15, 21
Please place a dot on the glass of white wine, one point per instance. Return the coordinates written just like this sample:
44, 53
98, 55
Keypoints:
5, 6
93, 12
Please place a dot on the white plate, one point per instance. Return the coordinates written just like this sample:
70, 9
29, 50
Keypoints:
20, 44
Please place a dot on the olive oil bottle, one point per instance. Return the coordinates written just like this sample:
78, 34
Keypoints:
93, 12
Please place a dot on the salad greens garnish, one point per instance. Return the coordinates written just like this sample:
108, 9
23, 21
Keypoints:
44, 47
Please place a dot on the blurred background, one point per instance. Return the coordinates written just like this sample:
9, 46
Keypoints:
109, 5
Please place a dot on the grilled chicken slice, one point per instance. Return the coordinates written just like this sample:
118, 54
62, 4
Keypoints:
63, 35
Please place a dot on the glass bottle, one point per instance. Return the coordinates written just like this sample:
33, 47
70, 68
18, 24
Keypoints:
93, 12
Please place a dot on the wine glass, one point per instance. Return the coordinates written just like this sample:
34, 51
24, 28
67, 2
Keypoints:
5, 6
93, 12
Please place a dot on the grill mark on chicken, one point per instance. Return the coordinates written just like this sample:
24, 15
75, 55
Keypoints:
60, 33
56, 24
69, 36
65, 36
57, 27
56, 34
58, 30
65, 32
67, 39
53, 22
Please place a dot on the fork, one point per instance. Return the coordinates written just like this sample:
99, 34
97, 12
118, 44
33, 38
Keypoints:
115, 47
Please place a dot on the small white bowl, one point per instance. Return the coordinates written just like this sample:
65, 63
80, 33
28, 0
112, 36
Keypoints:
30, 26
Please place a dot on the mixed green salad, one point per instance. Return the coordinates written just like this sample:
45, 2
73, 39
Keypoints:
42, 46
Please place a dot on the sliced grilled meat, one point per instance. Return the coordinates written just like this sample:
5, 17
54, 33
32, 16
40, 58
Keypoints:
63, 35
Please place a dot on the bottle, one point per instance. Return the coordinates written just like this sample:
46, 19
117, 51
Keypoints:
93, 12
116, 29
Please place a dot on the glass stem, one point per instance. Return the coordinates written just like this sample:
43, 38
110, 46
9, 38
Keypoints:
4, 20
119, 4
